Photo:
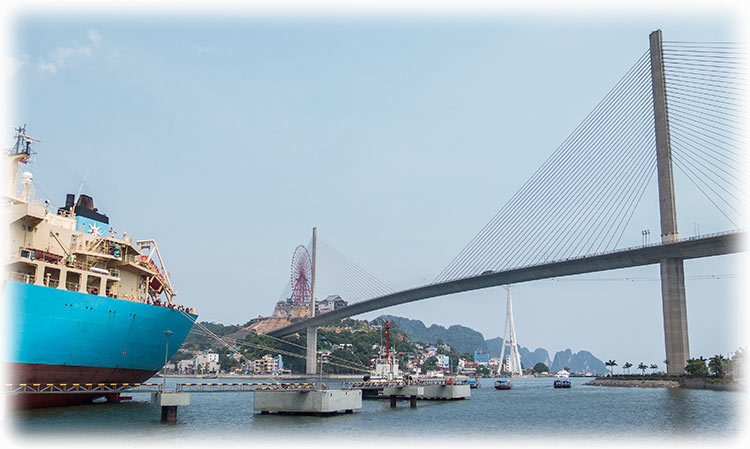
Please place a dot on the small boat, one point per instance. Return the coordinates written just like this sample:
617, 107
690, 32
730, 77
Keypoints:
474, 383
503, 384
562, 384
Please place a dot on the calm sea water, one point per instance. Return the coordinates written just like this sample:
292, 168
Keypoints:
532, 409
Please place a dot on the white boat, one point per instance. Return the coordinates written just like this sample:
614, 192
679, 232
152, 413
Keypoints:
562, 374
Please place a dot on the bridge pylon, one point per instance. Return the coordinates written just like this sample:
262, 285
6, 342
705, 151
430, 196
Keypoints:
513, 362
312, 332
674, 304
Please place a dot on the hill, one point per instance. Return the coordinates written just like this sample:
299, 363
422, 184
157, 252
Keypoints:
467, 340
462, 338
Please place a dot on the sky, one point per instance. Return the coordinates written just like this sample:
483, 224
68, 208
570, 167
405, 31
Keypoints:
227, 135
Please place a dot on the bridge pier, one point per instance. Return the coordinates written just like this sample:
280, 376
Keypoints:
312, 350
672, 270
674, 307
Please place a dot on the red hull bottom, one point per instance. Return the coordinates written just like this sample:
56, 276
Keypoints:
27, 373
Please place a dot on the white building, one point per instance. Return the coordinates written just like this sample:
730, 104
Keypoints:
331, 303
186, 366
206, 362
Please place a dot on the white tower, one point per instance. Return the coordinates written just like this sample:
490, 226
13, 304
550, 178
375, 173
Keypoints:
513, 362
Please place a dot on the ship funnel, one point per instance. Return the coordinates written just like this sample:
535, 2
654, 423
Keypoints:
85, 202
69, 200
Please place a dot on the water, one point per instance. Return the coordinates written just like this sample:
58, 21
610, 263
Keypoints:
532, 409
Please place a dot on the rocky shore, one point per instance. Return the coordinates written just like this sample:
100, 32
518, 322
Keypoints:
694, 383
642, 383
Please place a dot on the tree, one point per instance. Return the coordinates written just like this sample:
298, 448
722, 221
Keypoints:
716, 365
653, 367
696, 367
627, 366
540, 368
611, 364
643, 367
430, 364
226, 363
483, 371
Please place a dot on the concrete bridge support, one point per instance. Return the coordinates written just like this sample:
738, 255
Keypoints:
672, 270
675, 315
312, 332
312, 349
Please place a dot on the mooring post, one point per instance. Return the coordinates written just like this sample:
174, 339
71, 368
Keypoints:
312, 332
674, 305
413, 401
393, 401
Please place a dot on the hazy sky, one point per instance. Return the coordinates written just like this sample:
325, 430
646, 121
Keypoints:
227, 137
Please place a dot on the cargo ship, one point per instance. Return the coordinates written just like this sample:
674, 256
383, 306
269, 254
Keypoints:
85, 303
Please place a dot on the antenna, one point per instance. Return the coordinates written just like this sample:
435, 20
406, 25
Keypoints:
20, 153
22, 146
83, 180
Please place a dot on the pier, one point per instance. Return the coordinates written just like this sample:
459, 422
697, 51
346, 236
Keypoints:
420, 389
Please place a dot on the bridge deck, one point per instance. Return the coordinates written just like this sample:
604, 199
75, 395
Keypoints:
691, 248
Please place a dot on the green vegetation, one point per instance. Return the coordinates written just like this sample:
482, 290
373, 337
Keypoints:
646, 377
540, 368
696, 367
716, 365
349, 347
611, 364
197, 341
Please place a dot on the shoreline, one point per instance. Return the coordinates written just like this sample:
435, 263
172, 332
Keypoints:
691, 383
633, 383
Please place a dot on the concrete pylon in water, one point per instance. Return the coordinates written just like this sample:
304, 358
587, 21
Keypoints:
513, 362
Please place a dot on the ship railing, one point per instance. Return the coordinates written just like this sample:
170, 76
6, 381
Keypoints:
21, 277
80, 265
72, 286
86, 266
136, 260
94, 248
53, 283
65, 213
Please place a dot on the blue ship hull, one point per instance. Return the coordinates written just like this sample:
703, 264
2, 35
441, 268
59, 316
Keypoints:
59, 336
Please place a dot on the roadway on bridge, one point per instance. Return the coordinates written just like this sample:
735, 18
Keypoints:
714, 245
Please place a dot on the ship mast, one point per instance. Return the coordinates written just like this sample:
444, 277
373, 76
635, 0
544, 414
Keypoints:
19, 153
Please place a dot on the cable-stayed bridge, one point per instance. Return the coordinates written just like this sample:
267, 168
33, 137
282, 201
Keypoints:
679, 105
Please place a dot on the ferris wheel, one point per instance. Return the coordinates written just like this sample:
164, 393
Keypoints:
301, 276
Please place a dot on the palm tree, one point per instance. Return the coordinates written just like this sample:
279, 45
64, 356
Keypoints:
611, 364
653, 367
627, 366
642, 366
